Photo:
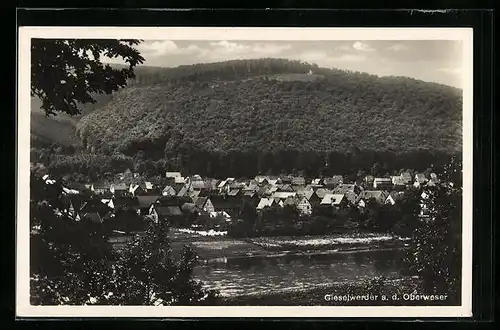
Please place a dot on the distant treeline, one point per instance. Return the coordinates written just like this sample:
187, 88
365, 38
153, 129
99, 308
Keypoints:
234, 69
241, 164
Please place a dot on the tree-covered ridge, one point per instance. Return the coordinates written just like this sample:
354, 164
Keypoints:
227, 70
216, 108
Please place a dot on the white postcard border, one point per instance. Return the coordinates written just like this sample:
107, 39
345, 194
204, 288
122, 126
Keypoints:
23, 307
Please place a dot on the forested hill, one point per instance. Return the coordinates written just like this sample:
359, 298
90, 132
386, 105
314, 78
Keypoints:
271, 105
60, 129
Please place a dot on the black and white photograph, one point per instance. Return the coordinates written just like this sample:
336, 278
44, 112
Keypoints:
223, 172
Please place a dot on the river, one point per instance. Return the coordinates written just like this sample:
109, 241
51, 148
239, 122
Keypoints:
247, 275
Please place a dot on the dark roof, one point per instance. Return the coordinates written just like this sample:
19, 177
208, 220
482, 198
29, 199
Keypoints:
76, 186
126, 202
343, 188
396, 195
406, 175
399, 181
75, 200
321, 192
94, 206
168, 210
199, 185
200, 201
285, 187
173, 200
120, 186
182, 192
233, 192
94, 217
194, 193
298, 181
146, 201
292, 201
169, 188
220, 202
100, 185
378, 195
335, 180
308, 194
178, 187
250, 193
286, 178
189, 207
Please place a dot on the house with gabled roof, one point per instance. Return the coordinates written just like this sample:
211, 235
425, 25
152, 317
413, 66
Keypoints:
145, 203
321, 192
283, 195
212, 183
126, 203
275, 181
173, 174
347, 188
332, 182
252, 186
285, 188
378, 196
394, 197
368, 180
231, 205
100, 188
303, 205
399, 183
173, 200
317, 182
337, 200
262, 180
119, 189
312, 197
197, 185
234, 192
189, 208
194, 193
298, 181
434, 176
420, 180
166, 213
265, 202
204, 203
135, 189
169, 191
406, 176
72, 205
179, 180
94, 210
183, 192
382, 183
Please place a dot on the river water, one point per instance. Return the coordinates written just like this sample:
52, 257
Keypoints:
241, 276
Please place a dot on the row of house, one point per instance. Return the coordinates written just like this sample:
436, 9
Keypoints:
188, 194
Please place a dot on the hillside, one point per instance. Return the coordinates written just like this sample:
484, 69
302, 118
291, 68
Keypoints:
59, 129
270, 105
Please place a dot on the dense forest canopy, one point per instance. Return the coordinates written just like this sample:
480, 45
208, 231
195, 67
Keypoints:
250, 105
243, 117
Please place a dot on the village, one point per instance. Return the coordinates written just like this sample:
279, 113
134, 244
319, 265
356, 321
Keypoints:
185, 197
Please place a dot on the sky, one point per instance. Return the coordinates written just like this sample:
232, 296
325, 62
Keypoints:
429, 60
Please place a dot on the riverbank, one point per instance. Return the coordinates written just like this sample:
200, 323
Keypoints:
378, 292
